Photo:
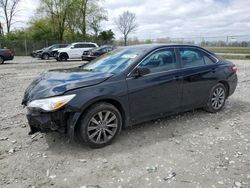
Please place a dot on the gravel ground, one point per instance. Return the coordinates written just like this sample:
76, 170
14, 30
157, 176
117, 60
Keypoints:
194, 149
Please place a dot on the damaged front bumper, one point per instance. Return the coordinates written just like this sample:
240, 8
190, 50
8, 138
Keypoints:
62, 121
47, 121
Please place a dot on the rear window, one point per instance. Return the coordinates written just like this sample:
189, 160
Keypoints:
192, 57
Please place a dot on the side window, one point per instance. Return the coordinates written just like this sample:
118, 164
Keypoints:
105, 50
208, 60
92, 46
78, 46
109, 49
89, 46
162, 60
84, 45
194, 58
62, 46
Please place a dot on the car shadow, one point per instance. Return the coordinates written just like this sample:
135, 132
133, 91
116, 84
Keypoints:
152, 132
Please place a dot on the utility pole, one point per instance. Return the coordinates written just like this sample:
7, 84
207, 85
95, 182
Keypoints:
25, 46
1, 34
227, 40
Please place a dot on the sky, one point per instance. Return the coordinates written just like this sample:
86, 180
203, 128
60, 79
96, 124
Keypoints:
172, 18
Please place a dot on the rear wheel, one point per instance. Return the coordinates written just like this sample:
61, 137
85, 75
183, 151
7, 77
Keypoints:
100, 125
217, 98
1, 60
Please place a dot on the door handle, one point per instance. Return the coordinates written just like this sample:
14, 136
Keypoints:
213, 70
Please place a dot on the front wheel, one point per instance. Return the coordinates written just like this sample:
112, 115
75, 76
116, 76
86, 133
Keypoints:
63, 56
45, 56
100, 125
217, 98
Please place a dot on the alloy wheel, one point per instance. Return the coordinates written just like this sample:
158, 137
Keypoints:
102, 127
218, 98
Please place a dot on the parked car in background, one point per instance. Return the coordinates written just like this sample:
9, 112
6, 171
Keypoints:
74, 51
6, 55
96, 52
48, 52
128, 86
35, 53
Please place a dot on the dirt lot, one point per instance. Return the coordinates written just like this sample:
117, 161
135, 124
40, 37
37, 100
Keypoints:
195, 149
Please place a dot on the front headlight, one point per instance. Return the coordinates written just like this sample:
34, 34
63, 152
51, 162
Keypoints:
51, 104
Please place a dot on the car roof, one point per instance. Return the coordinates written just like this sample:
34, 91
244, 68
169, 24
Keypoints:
156, 45
106, 46
83, 43
152, 47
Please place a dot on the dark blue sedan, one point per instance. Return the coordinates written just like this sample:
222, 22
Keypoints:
125, 87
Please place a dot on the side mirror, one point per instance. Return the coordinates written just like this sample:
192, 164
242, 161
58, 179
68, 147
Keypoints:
140, 71
72, 47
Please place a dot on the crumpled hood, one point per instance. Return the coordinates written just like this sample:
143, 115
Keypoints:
57, 82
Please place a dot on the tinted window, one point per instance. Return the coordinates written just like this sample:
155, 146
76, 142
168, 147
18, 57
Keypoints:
84, 46
89, 46
194, 57
78, 46
207, 59
106, 50
92, 46
162, 60
109, 49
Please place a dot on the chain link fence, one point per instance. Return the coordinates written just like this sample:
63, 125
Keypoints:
25, 47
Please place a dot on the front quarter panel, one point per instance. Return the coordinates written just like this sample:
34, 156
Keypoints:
113, 89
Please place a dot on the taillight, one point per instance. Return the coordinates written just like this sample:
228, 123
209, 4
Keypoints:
234, 68
8, 52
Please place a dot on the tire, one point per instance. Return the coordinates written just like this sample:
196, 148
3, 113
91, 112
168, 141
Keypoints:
1, 60
217, 98
63, 57
45, 56
58, 59
100, 125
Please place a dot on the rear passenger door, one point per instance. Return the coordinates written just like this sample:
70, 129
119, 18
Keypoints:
199, 76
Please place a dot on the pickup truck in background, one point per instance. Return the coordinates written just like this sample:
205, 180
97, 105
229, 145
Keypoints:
6, 55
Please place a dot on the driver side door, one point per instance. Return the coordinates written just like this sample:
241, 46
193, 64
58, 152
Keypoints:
159, 92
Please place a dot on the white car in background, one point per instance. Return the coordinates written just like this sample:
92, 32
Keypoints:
74, 50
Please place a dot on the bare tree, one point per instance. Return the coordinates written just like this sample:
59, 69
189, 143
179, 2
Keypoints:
10, 10
126, 23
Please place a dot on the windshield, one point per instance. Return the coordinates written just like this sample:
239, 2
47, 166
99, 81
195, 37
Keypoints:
51, 47
115, 61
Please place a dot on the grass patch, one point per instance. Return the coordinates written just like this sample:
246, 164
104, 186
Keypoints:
231, 52
236, 50
226, 56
